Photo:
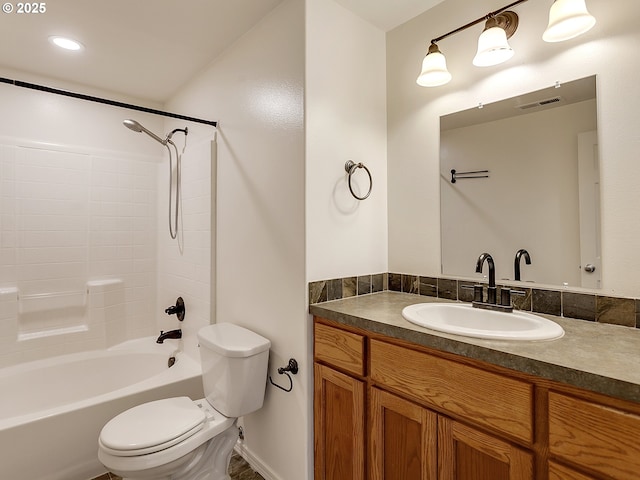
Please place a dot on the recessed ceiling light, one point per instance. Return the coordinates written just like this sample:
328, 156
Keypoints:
66, 43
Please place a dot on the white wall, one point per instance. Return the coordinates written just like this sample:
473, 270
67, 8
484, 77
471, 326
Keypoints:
608, 50
345, 120
255, 91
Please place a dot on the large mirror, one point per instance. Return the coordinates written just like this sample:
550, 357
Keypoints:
522, 174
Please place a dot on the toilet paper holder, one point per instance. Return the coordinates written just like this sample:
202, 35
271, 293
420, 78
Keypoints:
292, 367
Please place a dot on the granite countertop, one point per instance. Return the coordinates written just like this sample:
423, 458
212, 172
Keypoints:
598, 357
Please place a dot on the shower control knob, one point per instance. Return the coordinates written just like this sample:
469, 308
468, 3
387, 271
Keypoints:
589, 268
177, 309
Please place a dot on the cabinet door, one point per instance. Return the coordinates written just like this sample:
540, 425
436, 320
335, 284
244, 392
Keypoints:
339, 425
403, 439
467, 454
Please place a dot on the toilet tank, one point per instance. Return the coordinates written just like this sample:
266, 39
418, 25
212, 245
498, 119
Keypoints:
234, 368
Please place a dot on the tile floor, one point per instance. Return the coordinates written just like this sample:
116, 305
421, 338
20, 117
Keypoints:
239, 469
107, 476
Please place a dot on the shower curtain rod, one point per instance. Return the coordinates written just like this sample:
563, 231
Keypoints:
105, 101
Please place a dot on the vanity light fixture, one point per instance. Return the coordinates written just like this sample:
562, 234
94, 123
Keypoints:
493, 47
567, 19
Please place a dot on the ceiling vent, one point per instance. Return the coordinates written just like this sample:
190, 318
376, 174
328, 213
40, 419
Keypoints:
540, 103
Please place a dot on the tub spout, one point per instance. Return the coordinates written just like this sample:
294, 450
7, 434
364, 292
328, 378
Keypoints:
170, 334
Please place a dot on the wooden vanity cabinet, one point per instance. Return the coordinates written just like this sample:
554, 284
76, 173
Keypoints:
390, 410
339, 404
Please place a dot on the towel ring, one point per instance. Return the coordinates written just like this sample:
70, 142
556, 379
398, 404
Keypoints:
350, 166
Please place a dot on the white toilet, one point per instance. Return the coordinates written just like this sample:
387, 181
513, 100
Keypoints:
178, 438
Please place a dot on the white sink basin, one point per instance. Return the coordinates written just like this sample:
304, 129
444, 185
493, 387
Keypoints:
463, 319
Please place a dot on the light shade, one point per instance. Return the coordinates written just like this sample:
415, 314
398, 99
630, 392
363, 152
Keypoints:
434, 69
493, 48
567, 19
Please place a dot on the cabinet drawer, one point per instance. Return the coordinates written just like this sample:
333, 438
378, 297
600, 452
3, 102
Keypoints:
487, 399
600, 438
341, 349
560, 472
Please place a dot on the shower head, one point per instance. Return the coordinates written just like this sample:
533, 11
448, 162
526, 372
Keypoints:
132, 125
136, 127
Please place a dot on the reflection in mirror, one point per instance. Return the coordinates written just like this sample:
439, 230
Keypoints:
536, 187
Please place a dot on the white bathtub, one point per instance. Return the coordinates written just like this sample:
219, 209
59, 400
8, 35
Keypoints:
51, 411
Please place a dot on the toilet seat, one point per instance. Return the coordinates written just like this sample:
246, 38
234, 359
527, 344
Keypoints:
129, 460
151, 427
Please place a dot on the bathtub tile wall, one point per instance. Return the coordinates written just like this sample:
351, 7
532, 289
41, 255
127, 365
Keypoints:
187, 272
123, 237
68, 217
7, 215
51, 194
108, 310
9, 353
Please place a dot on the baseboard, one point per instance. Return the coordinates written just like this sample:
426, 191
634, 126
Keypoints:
256, 463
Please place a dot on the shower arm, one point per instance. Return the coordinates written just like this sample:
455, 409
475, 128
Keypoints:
184, 130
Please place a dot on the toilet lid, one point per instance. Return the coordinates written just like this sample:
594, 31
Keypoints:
152, 426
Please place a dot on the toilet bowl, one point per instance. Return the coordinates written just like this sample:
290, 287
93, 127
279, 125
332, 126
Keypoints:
178, 438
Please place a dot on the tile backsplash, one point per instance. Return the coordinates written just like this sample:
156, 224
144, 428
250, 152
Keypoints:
337, 288
562, 303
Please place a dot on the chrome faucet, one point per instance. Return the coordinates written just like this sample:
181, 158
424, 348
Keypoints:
175, 334
491, 290
516, 263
